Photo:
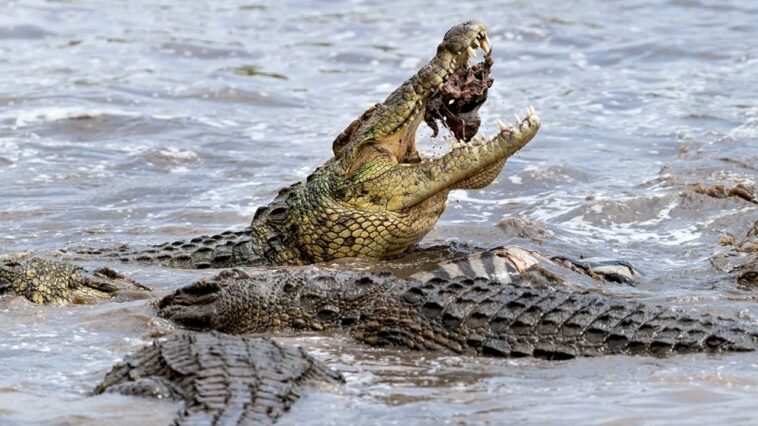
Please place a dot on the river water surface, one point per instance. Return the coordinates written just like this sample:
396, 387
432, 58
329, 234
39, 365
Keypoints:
147, 121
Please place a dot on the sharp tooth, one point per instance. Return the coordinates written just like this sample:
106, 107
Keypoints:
518, 119
501, 125
531, 110
476, 43
485, 45
471, 52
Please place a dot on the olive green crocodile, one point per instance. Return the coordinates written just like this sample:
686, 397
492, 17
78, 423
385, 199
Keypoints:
376, 197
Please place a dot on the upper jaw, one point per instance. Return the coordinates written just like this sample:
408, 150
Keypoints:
457, 49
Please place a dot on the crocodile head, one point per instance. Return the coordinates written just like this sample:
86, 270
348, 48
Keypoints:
377, 153
390, 127
378, 195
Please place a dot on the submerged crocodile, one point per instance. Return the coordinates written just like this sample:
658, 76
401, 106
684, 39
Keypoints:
506, 301
50, 281
224, 380
463, 315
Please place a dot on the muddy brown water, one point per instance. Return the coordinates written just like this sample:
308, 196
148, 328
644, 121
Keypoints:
141, 122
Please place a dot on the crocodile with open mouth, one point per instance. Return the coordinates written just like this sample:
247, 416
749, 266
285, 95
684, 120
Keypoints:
377, 196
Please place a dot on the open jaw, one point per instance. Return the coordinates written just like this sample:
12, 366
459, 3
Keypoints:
449, 91
456, 103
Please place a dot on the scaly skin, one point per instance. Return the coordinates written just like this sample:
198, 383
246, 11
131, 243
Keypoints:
376, 197
223, 380
465, 316
52, 282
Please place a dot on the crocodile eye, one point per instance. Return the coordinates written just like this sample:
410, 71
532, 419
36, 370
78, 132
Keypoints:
749, 276
310, 301
279, 214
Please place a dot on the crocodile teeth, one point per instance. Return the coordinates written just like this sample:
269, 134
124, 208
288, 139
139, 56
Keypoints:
518, 119
485, 45
501, 125
530, 111
471, 52
476, 43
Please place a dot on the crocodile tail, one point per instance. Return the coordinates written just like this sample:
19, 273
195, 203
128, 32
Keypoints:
490, 318
560, 325
224, 250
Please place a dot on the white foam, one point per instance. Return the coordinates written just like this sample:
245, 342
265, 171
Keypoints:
663, 214
626, 233
50, 114
34, 116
